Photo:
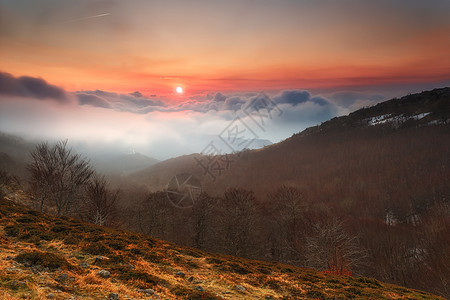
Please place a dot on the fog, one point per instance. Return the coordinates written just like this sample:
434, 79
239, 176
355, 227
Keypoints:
103, 124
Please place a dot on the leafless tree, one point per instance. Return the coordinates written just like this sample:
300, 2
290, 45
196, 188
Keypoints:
153, 214
100, 202
331, 246
238, 214
285, 209
435, 241
57, 177
202, 220
6, 182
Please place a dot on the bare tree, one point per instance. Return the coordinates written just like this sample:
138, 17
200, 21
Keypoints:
435, 258
331, 247
203, 213
153, 215
57, 177
238, 214
285, 210
100, 202
7, 182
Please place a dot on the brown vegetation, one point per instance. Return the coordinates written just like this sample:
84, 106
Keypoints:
389, 186
67, 265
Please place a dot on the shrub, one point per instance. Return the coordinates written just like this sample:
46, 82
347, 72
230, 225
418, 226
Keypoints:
235, 268
370, 281
264, 270
12, 230
3, 240
354, 291
33, 234
116, 244
73, 239
144, 280
212, 260
60, 228
192, 252
154, 257
26, 219
45, 259
310, 278
189, 294
96, 249
287, 270
316, 294
136, 251
192, 264
338, 271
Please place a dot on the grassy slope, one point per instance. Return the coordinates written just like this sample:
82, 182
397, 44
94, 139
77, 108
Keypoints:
36, 250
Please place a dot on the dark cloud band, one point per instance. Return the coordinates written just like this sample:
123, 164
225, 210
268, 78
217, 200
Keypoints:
32, 87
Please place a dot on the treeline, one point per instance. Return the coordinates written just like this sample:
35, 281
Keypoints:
291, 228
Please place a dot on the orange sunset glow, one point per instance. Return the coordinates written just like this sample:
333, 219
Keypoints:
226, 46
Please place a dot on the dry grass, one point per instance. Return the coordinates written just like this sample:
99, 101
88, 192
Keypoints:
137, 262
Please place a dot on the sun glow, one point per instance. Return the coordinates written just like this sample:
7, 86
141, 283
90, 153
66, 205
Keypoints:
179, 90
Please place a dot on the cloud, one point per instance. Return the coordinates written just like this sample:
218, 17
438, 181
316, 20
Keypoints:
153, 126
292, 97
140, 102
221, 105
295, 97
93, 100
219, 97
136, 94
308, 113
233, 103
32, 87
133, 102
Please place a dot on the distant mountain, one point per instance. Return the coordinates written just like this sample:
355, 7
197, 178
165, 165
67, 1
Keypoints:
393, 148
7, 163
14, 154
240, 144
157, 176
14, 145
253, 144
125, 164
417, 110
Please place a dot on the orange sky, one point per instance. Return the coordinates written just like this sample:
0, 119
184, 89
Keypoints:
206, 46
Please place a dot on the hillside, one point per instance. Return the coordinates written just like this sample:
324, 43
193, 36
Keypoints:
14, 152
384, 171
356, 148
125, 164
45, 257
417, 110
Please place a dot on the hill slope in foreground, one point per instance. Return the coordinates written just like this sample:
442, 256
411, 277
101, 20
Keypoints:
43, 257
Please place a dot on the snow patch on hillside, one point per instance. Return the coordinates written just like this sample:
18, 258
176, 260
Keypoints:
395, 120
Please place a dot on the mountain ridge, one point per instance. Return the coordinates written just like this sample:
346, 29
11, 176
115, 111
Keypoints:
436, 102
338, 130
124, 164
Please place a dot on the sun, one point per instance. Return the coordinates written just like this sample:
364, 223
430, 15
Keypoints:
179, 90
